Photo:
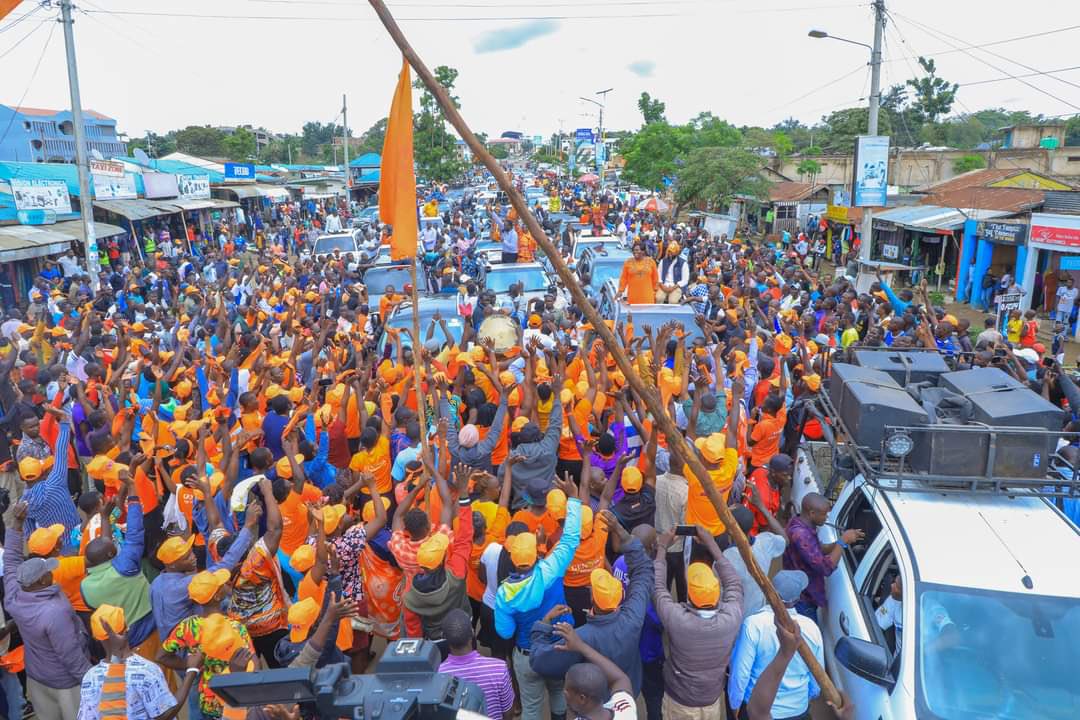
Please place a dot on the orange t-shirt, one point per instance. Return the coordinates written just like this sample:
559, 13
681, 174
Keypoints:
534, 521
589, 556
377, 462
699, 511
640, 279
766, 436
567, 447
69, 575
294, 520
310, 589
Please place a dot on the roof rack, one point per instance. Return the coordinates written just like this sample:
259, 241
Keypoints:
888, 472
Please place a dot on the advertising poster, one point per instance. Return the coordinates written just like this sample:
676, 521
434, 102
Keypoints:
41, 195
871, 170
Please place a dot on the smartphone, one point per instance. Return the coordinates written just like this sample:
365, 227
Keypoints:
685, 531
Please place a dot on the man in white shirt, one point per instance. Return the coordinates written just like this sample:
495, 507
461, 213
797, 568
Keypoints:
674, 274
890, 614
69, 265
758, 645
1066, 298
333, 222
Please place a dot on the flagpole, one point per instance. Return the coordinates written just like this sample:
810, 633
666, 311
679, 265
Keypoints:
421, 414
652, 400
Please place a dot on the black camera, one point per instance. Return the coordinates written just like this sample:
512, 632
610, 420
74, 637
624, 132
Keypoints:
405, 685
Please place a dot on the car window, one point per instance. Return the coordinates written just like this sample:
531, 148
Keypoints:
858, 514
532, 280
883, 611
327, 244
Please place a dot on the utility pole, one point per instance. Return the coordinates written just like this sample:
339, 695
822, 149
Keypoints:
872, 125
345, 144
86, 205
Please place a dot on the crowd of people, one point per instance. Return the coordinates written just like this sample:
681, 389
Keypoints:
214, 467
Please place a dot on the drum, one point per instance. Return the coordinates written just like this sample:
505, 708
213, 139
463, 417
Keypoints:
501, 330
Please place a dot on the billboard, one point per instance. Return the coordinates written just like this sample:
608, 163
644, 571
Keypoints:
41, 195
240, 171
193, 187
871, 170
111, 187
159, 185
584, 135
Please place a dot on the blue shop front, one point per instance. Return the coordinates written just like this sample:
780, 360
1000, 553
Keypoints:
989, 249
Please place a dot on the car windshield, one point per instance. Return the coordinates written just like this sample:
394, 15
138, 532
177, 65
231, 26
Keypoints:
656, 318
377, 278
403, 320
602, 271
582, 245
533, 279
327, 244
993, 654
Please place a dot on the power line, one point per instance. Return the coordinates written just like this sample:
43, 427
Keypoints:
818, 89
23, 39
30, 82
992, 43
294, 18
1034, 74
19, 18
990, 64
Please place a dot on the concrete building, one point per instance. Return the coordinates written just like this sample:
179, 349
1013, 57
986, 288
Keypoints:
42, 135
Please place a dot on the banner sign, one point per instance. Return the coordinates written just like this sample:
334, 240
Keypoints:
584, 135
110, 187
1050, 235
837, 213
36, 217
159, 185
41, 195
240, 171
193, 187
871, 170
1002, 233
107, 167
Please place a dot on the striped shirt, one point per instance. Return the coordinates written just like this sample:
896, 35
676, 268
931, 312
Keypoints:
49, 499
147, 692
489, 674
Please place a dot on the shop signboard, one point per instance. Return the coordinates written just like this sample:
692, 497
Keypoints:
583, 135
240, 172
1002, 233
1055, 235
1070, 263
1006, 304
159, 185
112, 187
871, 170
193, 187
107, 167
41, 195
837, 213
36, 217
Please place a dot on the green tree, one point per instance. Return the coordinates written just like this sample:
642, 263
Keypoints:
652, 109
498, 152
316, 136
435, 149
782, 144
373, 137
707, 130
809, 168
934, 96
654, 153
1072, 131
200, 141
240, 145
843, 126
715, 175
283, 150
153, 144
965, 163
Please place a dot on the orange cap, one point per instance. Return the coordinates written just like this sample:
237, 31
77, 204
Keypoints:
556, 503
302, 616
204, 585
607, 591
586, 522
174, 548
813, 381
331, 517
30, 468
782, 344
220, 638
101, 467
506, 378
303, 558
712, 447
110, 614
631, 479
523, 549
43, 540
182, 388
702, 586
519, 422
431, 552
284, 469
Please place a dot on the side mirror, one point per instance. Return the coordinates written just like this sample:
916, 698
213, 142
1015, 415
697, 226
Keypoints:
865, 659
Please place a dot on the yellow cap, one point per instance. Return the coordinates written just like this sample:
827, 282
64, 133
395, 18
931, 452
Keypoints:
174, 548
302, 616
43, 540
431, 552
30, 468
607, 591
204, 585
631, 479
556, 503
368, 513
519, 422
586, 522
331, 516
284, 469
813, 381
712, 447
107, 614
702, 587
303, 558
220, 638
523, 549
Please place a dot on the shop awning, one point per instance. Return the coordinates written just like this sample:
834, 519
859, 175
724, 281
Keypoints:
252, 190
22, 242
137, 209
274, 193
935, 219
75, 229
242, 192
199, 204
219, 204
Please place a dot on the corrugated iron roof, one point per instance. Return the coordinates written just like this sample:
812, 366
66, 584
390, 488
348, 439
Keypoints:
791, 191
20, 242
1062, 201
1012, 200
45, 112
929, 218
972, 178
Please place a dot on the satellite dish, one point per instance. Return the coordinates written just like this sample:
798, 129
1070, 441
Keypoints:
96, 154
141, 156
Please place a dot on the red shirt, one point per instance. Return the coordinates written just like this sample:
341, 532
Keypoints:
769, 496
338, 453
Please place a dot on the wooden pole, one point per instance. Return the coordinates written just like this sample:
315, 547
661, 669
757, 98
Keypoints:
652, 400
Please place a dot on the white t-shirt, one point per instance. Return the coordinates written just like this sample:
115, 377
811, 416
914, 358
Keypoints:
489, 559
622, 706
891, 614
1066, 297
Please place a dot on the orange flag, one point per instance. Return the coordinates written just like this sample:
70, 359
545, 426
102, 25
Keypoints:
6, 6
397, 179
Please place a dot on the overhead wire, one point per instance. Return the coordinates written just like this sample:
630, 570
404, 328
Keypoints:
24, 38
325, 18
1033, 74
30, 82
13, 21
992, 43
845, 76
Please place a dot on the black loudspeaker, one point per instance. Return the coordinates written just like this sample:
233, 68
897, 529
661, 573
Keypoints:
999, 400
904, 367
868, 408
844, 375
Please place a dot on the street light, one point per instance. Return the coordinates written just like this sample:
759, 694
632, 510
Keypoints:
600, 164
819, 34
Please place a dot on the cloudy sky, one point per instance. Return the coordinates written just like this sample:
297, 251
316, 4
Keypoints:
524, 64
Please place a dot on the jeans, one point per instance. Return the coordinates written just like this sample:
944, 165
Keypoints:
532, 687
13, 694
652, 688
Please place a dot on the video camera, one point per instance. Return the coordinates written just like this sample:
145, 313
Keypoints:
405, 685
